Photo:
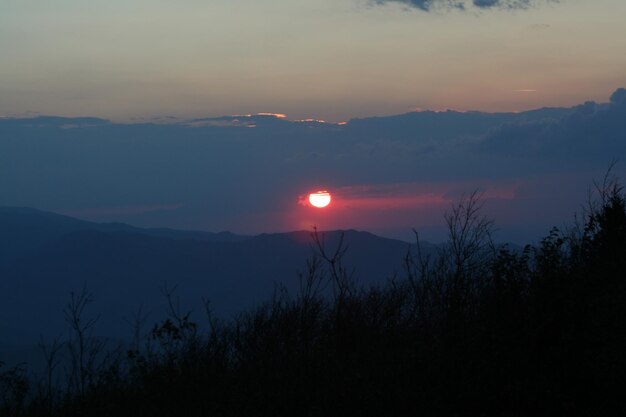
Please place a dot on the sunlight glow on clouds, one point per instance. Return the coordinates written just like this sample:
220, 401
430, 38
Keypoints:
418, 194
382, 206
276, 115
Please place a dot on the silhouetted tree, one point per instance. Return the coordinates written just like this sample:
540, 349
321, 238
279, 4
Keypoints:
14, 387
474, 330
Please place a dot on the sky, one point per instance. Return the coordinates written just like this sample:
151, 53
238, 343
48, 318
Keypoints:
251, 174
323, 59
196, 111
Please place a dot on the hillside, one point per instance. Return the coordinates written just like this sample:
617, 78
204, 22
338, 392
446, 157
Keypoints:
46, 256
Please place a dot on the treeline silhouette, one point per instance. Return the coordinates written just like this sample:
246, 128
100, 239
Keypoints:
477, 330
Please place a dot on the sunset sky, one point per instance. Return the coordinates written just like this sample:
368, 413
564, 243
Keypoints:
178, 156
159, 75
325, 59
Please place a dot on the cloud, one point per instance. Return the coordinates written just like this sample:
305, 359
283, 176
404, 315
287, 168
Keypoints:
510, 4
619, 96
428, 5
391, 172
589, 135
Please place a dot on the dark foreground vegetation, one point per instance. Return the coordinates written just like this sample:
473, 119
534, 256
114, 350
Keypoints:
477, 330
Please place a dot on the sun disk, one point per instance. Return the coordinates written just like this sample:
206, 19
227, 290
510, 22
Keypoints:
319, 199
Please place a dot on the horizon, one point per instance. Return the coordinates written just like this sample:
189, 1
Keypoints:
168, 119
165, 120
375, 184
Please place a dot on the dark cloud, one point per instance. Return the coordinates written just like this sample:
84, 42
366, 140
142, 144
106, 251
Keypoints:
427, 5
512, 4
619, 96
590, 135
221, 174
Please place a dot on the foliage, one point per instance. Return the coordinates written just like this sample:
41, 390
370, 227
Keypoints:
13, 390
476, 330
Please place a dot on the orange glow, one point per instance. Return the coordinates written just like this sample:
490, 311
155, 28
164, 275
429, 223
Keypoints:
311, 121
319, 199
276, 115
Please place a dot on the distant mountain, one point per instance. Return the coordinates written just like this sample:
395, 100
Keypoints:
24, 229
45, 256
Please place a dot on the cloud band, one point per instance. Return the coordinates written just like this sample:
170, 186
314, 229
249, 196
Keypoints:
428, 5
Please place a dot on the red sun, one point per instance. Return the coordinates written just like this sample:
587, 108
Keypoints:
319, 199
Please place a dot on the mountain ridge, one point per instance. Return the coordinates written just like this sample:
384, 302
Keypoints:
127, 268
